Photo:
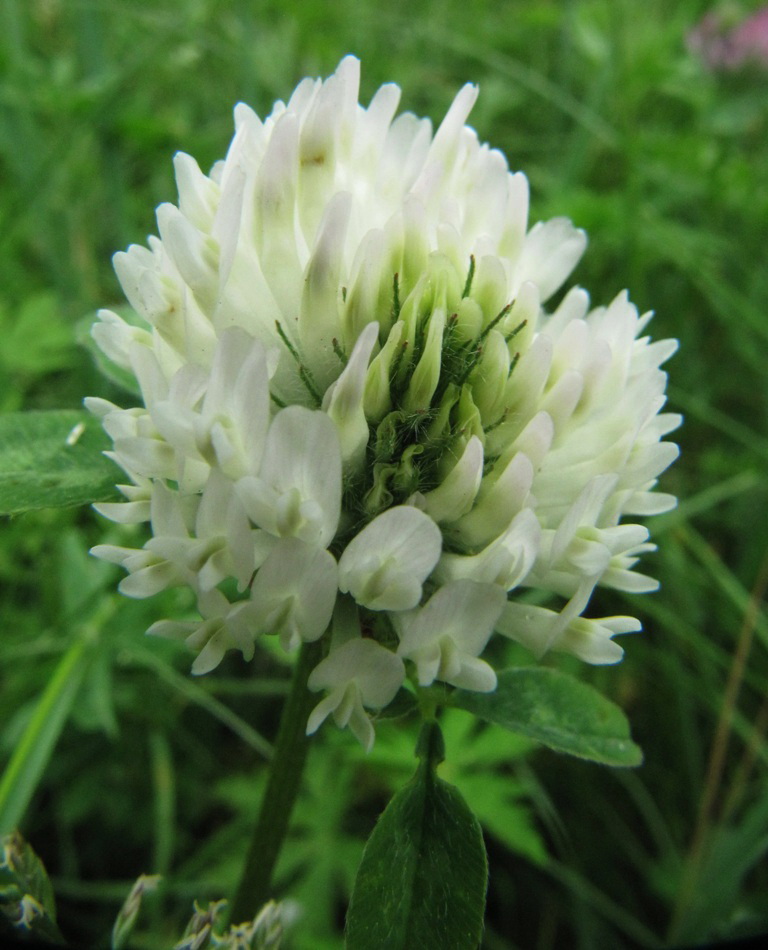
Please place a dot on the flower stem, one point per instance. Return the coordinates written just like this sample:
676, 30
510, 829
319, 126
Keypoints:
280, 794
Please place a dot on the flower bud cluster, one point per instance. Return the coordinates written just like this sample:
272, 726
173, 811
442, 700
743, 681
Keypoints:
358, 418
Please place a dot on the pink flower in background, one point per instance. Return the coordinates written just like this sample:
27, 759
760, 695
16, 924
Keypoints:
358, 416
730, 47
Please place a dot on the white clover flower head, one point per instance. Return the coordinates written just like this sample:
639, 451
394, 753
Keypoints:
353, 395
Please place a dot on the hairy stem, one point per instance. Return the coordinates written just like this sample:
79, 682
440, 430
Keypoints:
280, 794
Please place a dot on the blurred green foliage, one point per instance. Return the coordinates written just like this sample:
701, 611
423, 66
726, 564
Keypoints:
662, 161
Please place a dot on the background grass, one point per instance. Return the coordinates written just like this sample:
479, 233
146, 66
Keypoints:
663, 162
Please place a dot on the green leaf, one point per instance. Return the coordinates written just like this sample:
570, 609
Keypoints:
558, 711
480, 769
424, 872
53, 460
36, 342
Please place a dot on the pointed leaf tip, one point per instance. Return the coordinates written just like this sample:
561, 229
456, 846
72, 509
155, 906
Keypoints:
424, 873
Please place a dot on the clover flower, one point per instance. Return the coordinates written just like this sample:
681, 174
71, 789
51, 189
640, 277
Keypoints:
728, 44
355, 405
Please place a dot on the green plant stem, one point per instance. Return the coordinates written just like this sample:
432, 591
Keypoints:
286, 769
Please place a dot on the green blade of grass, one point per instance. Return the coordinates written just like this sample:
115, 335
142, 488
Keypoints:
197, 695
31, 755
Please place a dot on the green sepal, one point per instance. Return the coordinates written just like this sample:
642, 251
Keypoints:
467, 419
406, 477
379, 496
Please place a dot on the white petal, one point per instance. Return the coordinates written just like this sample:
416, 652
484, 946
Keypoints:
585, 511
378, 672
274, 231
198, 195
321, 301
590, 640
194, 254
456, 493
464, 611
324, 709
361, 727
506, 561
476, 675
134, 512
295, 591
550, 252
211, 654
344, 400
302, 453
497, 505
384, 566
